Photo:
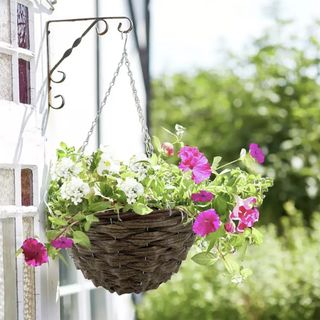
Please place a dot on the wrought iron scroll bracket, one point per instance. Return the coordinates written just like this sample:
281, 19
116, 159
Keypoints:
68, 52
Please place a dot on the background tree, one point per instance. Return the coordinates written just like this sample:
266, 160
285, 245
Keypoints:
271, 96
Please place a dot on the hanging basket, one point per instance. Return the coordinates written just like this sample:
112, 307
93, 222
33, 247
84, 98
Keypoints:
137, 253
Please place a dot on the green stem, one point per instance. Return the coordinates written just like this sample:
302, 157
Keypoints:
227, 164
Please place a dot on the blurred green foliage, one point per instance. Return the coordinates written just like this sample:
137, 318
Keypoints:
285, 283
271, 96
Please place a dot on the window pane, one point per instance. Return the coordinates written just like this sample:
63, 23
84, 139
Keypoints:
69, 307
98, 304
24, 81
5, 21
67, 272
6, 76
23, 26
7, 196
8, 279
26, 187
29, 289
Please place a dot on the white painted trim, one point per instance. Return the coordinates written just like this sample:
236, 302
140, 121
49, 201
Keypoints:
17, 211
75, 288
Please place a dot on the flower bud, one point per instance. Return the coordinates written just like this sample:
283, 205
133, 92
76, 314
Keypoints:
168, 149
229, 226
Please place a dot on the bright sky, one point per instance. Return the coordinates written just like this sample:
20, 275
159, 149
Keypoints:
187, 34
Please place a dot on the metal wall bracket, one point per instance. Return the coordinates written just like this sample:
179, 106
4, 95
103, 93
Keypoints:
75, 44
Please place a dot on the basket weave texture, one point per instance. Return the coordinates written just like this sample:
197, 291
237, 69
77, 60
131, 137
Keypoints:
137, 253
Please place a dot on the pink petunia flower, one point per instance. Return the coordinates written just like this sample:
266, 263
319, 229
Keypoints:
206, 222
168, 149
230, 226
35, 253
202, 196
245, 213
256, 153
192, 159
62, 243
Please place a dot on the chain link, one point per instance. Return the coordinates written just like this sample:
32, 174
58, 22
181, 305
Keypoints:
145, 131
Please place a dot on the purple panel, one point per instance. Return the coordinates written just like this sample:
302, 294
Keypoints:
23, 26
26, 187
24, 81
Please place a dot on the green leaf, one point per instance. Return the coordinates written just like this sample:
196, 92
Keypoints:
213, 237
245, 272
220, 203
157, 143
52, 234
215, 163
106, 189
58, 221
205, 258
79, 216
257, 236
19, 251
141, 208
90, 219
230, 264
98, 206
81, 238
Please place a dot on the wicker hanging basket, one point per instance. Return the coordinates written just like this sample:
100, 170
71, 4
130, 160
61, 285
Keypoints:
133, 253
137, 253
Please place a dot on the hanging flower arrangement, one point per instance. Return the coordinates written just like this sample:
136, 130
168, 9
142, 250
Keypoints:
220, 202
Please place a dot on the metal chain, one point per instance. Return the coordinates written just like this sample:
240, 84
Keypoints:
147, 139
145, 131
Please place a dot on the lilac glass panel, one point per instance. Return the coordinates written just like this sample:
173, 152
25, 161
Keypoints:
24, 81
23, 26
26, 187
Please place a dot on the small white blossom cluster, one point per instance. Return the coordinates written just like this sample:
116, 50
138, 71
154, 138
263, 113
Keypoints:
74, 190
65, 168
108, 163
139, 168
132, 189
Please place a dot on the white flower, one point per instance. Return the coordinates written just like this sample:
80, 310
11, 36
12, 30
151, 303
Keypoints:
65, 168
109, 164
132, 189
179, 130
139, 168
74, 189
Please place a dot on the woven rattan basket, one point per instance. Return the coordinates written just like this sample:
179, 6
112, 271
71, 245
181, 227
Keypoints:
137, 253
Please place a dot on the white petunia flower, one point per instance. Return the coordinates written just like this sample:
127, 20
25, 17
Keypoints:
64, 168
109, 164
74, 189
132, 189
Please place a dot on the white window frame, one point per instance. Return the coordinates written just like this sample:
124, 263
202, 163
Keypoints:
18, 212
17, 53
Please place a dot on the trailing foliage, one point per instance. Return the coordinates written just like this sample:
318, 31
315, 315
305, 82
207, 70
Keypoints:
284, 284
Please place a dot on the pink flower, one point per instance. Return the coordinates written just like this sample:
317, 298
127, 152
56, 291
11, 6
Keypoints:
256, 153
245, 213
168, 149
202, 196
192, 159
35, 253
206, 222
230, 226
62, 243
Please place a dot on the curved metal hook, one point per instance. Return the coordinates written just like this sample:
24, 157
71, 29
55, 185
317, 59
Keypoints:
62, 102
106, 27
61, 80
128, 29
